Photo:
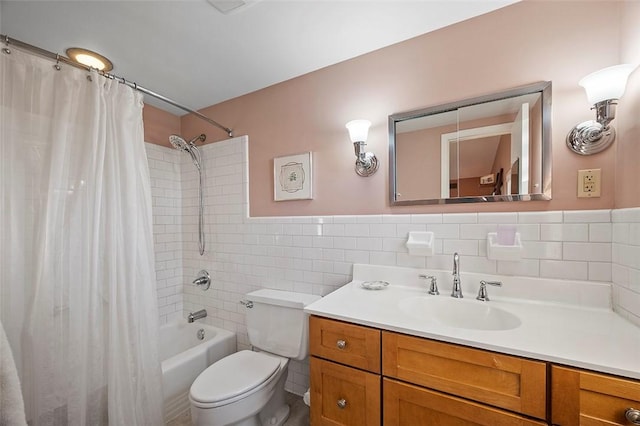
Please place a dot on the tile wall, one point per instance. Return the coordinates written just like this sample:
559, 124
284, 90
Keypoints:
166, 192
315, 254
626, 263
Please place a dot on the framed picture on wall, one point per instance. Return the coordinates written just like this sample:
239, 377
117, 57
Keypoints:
292, 177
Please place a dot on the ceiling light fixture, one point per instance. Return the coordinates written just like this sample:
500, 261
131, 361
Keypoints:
89, 58
231, 6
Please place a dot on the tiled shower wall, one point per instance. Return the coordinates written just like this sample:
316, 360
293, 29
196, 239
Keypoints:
315, 254
166, 192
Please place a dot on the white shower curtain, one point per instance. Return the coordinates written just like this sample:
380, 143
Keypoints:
77, 276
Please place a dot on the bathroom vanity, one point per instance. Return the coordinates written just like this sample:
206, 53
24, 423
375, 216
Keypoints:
393, 357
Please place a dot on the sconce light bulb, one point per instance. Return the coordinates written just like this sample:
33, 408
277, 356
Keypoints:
358, 130
607, 83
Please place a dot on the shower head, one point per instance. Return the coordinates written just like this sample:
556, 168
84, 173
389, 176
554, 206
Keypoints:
179, 142
190, 147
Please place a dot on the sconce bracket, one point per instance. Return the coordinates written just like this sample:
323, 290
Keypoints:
368, 166
590, 137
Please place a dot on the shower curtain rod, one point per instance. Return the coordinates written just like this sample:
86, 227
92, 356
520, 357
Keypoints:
59, 58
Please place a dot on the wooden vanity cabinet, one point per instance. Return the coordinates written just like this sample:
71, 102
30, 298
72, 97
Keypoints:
585, 398
406, 404
503, 381
345, 373
363, 376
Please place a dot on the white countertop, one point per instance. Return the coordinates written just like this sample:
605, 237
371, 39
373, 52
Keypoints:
589, 335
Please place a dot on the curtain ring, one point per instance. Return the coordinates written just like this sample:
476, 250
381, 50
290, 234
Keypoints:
57, 64
6, 48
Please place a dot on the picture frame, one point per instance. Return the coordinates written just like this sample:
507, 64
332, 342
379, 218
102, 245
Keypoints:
292, 177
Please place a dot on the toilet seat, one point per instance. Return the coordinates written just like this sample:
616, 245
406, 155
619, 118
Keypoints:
233, 378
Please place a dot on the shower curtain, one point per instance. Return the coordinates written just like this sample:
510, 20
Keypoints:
77, 276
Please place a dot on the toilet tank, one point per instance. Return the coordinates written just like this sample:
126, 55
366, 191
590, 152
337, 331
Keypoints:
277, 323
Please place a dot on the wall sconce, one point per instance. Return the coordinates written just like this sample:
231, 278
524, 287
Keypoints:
366, 163
603, 88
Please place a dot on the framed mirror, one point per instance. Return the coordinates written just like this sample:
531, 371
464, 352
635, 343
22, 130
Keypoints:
495, 147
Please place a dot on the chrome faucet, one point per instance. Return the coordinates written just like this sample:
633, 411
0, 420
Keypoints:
457, 285
196, 315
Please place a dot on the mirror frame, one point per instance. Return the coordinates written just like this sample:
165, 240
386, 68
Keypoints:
543, 87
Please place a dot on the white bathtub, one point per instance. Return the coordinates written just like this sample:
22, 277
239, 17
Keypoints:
184, 357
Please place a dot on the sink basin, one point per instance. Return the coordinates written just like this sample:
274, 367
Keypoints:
459, 313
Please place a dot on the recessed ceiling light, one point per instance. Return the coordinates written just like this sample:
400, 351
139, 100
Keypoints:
90, 59
231, 6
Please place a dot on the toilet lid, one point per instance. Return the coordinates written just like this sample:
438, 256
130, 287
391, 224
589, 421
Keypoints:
233, 375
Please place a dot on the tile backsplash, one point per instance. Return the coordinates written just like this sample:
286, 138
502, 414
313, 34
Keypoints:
316, 254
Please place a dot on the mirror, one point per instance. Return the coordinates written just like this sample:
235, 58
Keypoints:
491, 148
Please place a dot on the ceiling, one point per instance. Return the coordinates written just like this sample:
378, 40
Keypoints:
190, 52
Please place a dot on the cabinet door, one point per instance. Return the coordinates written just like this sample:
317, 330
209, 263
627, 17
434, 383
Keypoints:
503, 381
350, 344
343, 396
408, 405
584, 398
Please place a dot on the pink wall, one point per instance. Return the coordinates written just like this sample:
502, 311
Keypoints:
628, 119
158, 125
520, 44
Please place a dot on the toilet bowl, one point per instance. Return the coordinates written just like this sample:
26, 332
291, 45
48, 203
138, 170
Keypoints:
239, 390
247, 388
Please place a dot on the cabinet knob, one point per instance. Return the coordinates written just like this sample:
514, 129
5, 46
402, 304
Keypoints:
633, 415
341, 345
342, 403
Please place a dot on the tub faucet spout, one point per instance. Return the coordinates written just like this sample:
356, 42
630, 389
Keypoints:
196, 315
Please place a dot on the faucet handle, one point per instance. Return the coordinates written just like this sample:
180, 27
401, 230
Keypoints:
433, 285
483, 295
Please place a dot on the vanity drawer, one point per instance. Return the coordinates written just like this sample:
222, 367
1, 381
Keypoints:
410, 405
503, 381
342, 395
585, 398
351, 344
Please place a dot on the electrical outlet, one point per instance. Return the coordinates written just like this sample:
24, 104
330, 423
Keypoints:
589, 183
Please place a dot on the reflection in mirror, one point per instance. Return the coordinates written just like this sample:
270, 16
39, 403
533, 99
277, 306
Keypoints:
493, 148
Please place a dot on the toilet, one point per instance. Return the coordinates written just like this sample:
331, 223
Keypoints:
247, 388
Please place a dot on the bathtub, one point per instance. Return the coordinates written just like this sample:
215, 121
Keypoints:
184, 356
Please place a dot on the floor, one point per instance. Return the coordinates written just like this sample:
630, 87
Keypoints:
299, 415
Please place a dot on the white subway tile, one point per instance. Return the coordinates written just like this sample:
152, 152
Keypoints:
542, 250
402, 230
356, 230
466, 247
600, 232
408, 261
476, 231
600, 271
564, 232
524, 267
568, 270
441, 231
386, 230
540, 217
511, 217
587, 216
382, 258
426, 218
595, 252
629, 215
460, 218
